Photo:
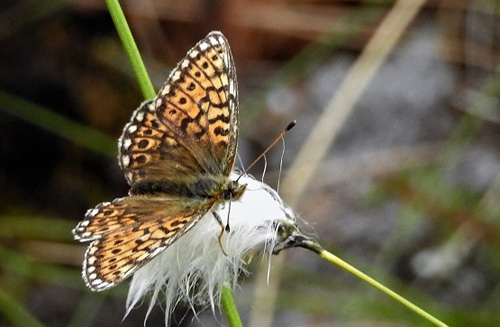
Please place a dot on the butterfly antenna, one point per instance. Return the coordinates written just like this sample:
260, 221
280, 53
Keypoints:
282, 134
281, 166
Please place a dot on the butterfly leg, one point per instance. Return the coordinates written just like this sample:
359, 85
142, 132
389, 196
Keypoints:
219, 237
227, 228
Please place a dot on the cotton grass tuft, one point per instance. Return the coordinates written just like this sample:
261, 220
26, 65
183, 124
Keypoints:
194, 269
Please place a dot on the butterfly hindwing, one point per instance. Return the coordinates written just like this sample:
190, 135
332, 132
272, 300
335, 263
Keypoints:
103, 219
199, 103
131, 231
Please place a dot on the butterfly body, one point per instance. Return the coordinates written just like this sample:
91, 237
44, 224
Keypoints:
205, 187
177, 153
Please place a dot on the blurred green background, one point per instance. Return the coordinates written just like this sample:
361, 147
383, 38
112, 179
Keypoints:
409, 192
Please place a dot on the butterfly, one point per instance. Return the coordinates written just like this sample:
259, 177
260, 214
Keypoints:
177, 153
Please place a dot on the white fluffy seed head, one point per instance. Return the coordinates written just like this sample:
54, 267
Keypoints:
194, 269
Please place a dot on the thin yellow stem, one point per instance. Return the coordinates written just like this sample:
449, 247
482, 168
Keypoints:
344, 265
233, 317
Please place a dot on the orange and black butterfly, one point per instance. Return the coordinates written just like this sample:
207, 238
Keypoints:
177, 153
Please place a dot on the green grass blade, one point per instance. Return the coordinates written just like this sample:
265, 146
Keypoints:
19, 264
58, 124
14, 312
133, 54
35, 227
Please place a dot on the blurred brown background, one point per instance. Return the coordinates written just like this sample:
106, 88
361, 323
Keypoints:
409, 191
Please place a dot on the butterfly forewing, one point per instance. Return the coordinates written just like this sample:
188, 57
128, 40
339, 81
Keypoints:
199, 103
148, 150
131, 231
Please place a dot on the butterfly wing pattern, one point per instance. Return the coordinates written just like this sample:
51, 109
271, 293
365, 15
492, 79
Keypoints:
149, 151
176, 153
199, 103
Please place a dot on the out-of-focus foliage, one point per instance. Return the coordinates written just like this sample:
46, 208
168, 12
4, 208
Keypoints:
409, 191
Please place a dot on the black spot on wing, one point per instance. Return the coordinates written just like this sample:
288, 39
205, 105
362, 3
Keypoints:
221, 131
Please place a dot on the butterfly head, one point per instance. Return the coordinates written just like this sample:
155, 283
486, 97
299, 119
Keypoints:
232, 191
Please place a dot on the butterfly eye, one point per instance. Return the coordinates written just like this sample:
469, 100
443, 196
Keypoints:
227, 194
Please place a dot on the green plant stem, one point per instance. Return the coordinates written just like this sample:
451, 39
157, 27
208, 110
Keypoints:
230, 308
364, 277
131, 49
148, 92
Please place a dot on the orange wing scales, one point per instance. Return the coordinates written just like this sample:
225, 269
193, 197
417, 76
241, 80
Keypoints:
142, 231
199, 101
148, 150
189, 132
104, 218
141, 141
